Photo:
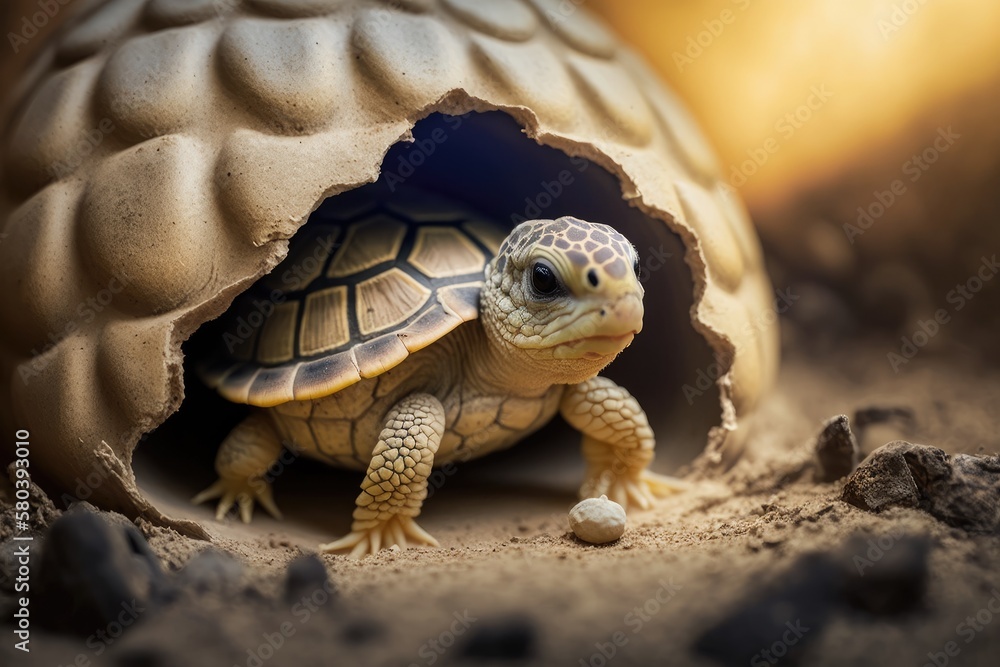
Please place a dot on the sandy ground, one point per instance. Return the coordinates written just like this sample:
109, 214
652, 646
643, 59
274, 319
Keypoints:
510, 578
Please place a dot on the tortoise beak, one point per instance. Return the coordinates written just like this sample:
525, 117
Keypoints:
611, 329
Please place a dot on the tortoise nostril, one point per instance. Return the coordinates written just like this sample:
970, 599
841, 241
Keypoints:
603, 312
592, 278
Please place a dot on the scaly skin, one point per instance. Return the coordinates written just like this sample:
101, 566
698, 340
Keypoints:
618, 444
396, 484
243, 460
540, 346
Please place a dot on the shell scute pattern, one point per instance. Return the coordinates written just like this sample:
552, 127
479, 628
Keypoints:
99, 29
294, 85
503, 19
296, 8
333, 313
50, 128
150, 85
576, 27
179, 12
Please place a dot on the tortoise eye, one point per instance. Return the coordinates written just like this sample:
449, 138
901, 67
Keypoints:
635, 267
544, 280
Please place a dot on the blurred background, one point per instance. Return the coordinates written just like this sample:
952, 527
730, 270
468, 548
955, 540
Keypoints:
862, 134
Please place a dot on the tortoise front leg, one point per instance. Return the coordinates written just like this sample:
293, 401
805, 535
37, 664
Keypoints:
244, 458
394, 489
618, 444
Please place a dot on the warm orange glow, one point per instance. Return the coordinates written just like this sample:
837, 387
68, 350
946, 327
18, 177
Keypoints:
744, 65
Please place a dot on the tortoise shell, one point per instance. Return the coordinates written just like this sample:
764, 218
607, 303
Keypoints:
373, 277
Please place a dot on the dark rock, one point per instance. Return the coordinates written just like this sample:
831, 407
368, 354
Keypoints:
882, 481
887, 574
960, 490
780, 620
509, 639
306, 575
837, 449
93, 574
211, 571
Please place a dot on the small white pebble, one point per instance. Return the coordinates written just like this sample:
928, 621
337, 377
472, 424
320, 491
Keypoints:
597, 520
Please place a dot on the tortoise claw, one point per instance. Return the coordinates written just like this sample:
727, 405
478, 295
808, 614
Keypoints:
241, 492
397, 530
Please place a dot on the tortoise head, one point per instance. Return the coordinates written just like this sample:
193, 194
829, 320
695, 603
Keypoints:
565, 295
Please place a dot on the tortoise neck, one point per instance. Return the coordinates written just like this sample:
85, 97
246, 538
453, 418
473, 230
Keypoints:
497, 368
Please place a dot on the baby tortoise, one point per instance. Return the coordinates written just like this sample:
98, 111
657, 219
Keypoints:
408, 333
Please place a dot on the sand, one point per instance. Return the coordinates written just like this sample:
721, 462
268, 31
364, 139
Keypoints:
509, 568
